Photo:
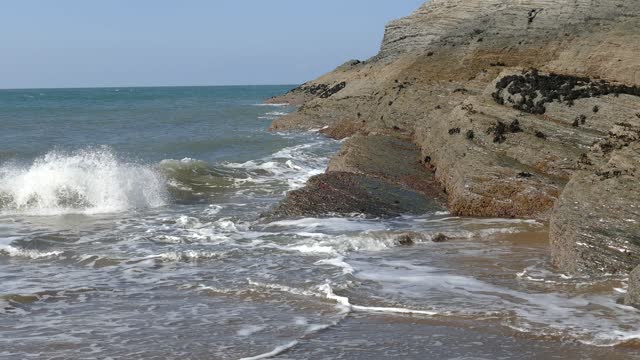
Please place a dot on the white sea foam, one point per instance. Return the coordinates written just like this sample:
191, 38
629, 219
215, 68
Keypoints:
343, 301
249, 330
188, 222
341, 245
338, 262
274, 105
27, 253
333, 224
277, 351
282, 288
212, 210
293, 165
89, 181
188, 255
539, 313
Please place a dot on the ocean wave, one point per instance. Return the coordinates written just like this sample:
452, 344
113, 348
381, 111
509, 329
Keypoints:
188, 256
87, 181
292, 165
13, 251
190, 179
276, 351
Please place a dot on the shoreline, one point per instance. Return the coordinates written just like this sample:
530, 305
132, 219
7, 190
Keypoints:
513, 125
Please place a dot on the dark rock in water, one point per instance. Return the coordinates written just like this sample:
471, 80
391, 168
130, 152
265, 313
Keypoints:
374, 175
405, 239
633, 293
440, 237
343, 193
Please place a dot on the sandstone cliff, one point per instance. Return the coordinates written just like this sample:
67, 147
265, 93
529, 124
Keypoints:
526, 108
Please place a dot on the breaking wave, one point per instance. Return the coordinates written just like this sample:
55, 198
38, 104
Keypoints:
86, 181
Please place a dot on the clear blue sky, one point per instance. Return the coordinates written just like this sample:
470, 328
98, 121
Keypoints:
85, 43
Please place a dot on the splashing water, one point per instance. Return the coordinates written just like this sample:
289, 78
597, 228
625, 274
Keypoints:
170, 258
86, 181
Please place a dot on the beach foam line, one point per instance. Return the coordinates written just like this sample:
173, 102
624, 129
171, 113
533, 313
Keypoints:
277, 351
275, 105
337, 262
344, 301
26, 253
310, 330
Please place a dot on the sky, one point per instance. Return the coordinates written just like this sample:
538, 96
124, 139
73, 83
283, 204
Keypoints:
81, 43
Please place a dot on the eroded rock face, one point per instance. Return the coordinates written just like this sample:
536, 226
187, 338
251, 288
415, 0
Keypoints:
595, 227
518, 108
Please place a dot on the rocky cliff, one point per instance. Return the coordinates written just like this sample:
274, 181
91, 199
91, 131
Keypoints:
525, 108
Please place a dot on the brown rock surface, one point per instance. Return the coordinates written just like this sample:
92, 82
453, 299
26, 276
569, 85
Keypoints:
633, 295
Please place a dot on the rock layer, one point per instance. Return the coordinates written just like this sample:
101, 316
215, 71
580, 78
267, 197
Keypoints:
524, 108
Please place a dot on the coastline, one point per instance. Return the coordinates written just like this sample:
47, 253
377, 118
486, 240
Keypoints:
507, 116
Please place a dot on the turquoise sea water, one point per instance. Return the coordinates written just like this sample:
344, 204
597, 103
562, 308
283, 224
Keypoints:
211, 123
130, 228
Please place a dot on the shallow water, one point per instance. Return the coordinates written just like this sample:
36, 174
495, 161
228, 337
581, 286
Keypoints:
129, 229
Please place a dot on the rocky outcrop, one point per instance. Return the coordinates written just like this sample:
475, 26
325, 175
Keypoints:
596, 222
345, 194
378, 176
522, 108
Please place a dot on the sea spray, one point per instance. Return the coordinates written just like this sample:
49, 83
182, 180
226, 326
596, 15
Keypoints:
84, 181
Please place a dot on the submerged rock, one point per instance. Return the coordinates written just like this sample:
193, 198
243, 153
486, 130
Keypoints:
374, 175
440, 237
343, 193
405, 239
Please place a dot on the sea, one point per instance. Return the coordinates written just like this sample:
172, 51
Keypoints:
131, 228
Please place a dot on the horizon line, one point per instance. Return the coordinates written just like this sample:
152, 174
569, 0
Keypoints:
139, 86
